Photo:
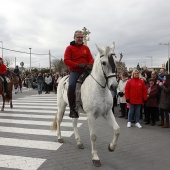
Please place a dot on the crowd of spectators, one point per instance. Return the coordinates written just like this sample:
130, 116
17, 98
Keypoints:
140, 95
144, 95
46, 82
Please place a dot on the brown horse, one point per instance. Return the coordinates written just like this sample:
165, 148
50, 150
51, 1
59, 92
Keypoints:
17, 83
6, 99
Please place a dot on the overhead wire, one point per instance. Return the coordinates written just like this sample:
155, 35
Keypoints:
21, 51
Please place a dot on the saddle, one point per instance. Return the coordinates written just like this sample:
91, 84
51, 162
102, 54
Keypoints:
1, 80
77, 92
7, 79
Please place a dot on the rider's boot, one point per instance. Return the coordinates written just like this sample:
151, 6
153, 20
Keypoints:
71, 100
6, 91
78, 95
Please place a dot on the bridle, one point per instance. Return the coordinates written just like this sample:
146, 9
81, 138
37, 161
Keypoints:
105, 76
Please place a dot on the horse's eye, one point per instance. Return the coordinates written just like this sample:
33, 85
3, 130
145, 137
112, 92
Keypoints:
104, 63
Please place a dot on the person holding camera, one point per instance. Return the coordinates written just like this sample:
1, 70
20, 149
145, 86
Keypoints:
78, 58
120, 93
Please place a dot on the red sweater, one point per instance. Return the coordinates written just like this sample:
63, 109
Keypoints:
135, 91
76, 54
3, 69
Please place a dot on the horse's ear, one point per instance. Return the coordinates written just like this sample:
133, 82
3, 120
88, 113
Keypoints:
113, 46
99, 49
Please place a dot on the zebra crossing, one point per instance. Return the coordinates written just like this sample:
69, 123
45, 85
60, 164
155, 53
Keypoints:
25, 136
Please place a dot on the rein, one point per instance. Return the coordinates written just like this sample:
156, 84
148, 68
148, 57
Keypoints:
105, 76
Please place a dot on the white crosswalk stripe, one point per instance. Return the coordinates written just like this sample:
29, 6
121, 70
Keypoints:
19, 162
27, 126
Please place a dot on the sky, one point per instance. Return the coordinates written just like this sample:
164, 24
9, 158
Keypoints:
136, 26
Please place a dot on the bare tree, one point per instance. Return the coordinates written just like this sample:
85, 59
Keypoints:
8, 62
59, 65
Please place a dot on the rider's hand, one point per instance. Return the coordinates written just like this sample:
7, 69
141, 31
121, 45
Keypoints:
81, 65
89, 66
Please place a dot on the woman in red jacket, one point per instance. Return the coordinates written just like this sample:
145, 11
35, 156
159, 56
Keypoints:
135, 94
3, 71
77, 56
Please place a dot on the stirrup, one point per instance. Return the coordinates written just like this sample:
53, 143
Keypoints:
73, 113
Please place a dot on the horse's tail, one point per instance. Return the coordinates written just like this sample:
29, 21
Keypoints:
54, 125
7, 99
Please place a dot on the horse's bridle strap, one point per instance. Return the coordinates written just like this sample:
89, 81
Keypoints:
106, 77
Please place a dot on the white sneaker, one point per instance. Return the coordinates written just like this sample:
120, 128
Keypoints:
129, 124
138, 125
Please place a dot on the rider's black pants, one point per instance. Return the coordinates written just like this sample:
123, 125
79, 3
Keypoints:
5, 84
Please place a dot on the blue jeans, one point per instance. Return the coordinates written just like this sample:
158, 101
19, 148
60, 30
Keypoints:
134, 109
74, 76
40, 85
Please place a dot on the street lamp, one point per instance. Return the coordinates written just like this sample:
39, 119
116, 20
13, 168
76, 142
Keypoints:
168, 44
2, 48
151, 60
30, 60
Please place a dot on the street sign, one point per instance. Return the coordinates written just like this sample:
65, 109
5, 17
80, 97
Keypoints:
22, 64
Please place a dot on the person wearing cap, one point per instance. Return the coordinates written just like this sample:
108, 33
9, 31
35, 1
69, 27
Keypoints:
3, 71
77, 56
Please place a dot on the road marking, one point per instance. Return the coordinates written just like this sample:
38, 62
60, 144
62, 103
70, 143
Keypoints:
22, 143
33, 110
33, 122
37, 103
20, 162
35, 100
37, 116
41, 107
34, 131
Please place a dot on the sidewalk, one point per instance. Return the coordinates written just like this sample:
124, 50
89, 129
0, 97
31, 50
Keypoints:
137, 149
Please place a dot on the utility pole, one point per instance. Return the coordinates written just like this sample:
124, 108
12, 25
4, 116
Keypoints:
50, 60
30, 60
2, 48
168, 44
151, 60
15, 61
86, 35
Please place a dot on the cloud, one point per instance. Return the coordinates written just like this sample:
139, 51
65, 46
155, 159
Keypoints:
136, 27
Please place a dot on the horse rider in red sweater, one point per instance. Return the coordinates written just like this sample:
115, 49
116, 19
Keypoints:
3, 71
78, 58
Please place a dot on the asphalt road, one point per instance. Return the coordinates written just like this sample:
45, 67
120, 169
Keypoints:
26, 141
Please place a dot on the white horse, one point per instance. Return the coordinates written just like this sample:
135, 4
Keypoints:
97, 100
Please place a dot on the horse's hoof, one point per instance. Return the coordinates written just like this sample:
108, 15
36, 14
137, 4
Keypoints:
60, 140
110, 150
80, 146
96, 163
